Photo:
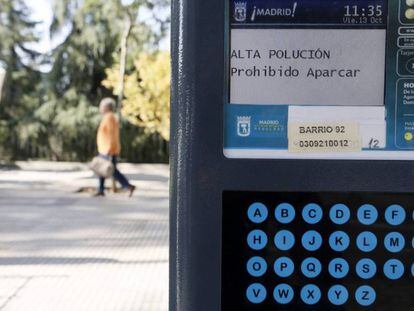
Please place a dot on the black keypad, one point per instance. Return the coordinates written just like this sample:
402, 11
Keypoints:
318, 251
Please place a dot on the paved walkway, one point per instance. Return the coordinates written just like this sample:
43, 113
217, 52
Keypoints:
65, 251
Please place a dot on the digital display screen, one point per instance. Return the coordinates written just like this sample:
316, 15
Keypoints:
309, 53
320, 79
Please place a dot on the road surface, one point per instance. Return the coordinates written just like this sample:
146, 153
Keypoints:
61, 250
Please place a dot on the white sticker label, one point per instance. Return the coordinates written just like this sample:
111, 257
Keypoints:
319, 137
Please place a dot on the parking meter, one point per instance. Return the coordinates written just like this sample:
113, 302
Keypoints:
291, 155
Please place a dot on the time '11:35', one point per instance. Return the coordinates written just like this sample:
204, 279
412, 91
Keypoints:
369, 11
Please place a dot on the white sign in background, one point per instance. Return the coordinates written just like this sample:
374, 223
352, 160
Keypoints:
335, 66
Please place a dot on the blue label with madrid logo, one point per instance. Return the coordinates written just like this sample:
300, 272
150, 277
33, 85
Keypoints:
260, 126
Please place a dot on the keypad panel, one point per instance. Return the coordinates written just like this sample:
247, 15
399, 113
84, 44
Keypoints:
318, 251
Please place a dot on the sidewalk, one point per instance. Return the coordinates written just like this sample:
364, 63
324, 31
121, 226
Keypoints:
64, 251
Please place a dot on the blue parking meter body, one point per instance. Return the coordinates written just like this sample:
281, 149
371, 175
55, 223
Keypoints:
291, 155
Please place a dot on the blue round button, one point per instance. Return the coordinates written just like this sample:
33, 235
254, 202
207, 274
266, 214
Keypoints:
338, 268
340, 214
312, 240
257, 240
367, 214
366, 268
284, 267
256, 293
338, 295
393, 269
283, 294
312, 213
310, 294
256, 266
365, 295
394, 242
311, 267
284, 240
285, 213
367, 241
395, 215
257, 213
339, 241
412, 269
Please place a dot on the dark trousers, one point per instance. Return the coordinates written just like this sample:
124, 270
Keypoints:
117, 175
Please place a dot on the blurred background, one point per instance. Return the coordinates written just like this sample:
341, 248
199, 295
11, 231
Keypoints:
59, 58
61, 248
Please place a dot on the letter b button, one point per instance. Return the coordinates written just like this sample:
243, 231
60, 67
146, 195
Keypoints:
285, 213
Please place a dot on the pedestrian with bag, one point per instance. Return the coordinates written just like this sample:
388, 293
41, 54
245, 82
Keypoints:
109, 148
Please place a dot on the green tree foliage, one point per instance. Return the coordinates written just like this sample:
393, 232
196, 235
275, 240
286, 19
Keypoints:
59, 113
147, 93
20, 95
69, 114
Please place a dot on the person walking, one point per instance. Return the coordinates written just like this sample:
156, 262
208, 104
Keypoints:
109, 145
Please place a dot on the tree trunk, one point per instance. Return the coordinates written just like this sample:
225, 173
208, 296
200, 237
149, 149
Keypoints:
122, 70
123, 61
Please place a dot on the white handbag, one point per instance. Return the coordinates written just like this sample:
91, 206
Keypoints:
102, 167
